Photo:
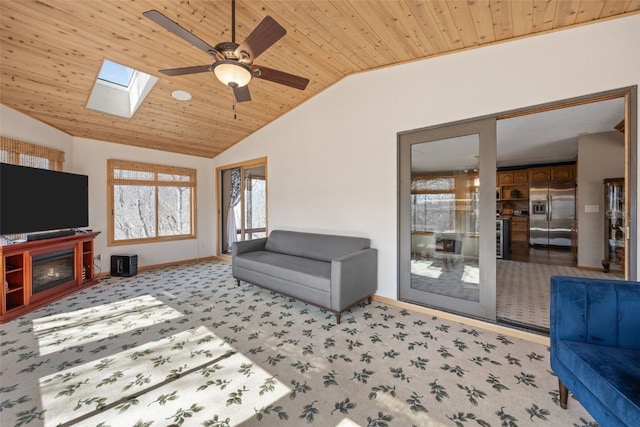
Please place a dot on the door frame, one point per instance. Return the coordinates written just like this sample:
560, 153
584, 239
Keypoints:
630, 95
248, 164
485, 308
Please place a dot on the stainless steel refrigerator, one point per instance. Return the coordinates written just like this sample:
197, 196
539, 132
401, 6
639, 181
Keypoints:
552, 209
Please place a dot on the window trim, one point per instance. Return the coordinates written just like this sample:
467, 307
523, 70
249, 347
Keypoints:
113, 164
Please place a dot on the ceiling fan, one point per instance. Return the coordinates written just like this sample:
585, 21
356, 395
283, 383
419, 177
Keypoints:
233, 64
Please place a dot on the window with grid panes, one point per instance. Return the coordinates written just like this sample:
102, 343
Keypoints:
150, 202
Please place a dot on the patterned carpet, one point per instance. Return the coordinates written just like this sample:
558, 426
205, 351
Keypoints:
186, 346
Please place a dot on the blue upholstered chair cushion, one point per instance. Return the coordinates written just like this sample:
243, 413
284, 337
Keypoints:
611, 373
595, 345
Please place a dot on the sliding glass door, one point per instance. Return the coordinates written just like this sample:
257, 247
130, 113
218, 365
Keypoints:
447, 235
242, 203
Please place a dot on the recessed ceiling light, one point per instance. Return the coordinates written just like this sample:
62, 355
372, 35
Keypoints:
181, 95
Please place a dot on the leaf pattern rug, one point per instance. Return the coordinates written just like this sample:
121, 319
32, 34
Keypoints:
186, 346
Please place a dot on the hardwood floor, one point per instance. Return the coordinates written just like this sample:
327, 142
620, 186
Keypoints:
542, 255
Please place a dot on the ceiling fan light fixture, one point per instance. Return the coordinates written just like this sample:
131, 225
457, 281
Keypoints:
232, 73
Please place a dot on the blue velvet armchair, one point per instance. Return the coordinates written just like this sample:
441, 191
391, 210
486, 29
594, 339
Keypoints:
595, 346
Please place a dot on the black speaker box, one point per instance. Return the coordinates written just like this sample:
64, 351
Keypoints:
124, 265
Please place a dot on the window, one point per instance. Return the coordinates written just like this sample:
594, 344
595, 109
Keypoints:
255, 194
26, 154
116, 74
433, 204
150, 202
438, 202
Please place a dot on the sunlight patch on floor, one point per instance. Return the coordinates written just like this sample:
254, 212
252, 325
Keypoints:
81, 327
471, 275
425, 268
194, 365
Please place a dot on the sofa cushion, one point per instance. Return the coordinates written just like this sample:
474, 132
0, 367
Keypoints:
321, 247
307, 272
611, 373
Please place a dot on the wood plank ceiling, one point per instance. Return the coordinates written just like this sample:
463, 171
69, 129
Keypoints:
52, 51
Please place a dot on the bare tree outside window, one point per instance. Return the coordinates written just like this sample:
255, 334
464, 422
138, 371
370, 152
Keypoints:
151, 202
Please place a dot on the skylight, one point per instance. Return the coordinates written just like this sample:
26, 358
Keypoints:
119, 90
116, 73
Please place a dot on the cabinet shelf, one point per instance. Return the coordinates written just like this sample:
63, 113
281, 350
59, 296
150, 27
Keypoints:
18, 297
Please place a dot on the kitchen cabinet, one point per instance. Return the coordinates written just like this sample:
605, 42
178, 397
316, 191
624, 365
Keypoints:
519, 229
513, 177
552, 173
513, 185
562, 173
614, 224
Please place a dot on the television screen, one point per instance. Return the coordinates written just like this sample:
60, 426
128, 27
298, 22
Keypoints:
33, 199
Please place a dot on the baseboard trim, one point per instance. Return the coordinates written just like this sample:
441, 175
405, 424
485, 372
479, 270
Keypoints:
169, 264
504, 330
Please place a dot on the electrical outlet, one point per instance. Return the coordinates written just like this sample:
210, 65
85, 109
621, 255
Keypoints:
98, 257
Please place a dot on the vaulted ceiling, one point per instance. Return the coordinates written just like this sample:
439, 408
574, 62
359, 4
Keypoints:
52, 50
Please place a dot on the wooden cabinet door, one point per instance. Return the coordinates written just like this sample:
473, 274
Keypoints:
520, 229
520, 177
562, 173
506, 178
539, 175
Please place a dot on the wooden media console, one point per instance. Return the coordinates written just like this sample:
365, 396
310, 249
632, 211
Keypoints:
36, 273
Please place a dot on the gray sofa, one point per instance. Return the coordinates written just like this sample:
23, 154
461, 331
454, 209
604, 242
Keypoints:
329, 271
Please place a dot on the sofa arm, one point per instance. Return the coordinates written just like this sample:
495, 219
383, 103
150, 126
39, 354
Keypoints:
353, 277
248, 246
596, 311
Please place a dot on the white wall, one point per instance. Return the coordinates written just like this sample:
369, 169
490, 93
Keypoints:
89, 157
600, 156
16, 125
332, 161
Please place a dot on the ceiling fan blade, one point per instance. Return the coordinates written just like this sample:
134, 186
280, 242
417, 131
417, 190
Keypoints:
186, 70
179, 31
281, 77
242, 93
261, 38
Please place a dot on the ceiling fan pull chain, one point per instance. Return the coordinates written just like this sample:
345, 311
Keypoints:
235, 117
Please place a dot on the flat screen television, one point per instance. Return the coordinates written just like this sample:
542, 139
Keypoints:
33, 200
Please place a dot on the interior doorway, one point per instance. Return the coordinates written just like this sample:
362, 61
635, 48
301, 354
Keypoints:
583, 137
